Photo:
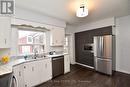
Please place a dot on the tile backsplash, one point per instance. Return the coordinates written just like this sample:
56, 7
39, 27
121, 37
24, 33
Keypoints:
57, 49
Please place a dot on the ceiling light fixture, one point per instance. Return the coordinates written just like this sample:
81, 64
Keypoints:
82, 11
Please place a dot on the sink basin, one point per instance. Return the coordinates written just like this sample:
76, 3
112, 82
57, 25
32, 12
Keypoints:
34, 57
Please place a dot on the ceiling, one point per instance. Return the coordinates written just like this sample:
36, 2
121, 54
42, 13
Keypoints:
65, 9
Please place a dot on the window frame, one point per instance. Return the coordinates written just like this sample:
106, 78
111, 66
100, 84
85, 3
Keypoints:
31, 44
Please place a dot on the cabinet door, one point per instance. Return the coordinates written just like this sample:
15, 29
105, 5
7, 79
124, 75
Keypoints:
18, 74
61, 36
35, 72
31, 74
46, 70
53, 37
28, 74
66, 64
57, 36
5, 32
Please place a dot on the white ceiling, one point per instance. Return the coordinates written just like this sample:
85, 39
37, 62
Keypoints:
65, 9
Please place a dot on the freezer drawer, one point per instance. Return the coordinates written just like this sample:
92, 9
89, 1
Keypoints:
103, 65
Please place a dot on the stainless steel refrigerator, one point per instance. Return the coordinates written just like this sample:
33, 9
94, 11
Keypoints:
103, 53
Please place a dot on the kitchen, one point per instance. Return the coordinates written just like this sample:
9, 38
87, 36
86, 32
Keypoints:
55, 50
26, 65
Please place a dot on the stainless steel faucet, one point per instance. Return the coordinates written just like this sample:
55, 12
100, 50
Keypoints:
35, 53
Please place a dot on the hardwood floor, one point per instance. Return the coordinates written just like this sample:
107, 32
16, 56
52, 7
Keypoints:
84, 77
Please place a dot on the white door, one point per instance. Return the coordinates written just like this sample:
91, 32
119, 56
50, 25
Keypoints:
71, 48
66, 64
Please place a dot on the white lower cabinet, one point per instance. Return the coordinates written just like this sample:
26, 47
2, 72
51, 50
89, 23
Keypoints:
18, 76
66, 63
33, 73
46, 70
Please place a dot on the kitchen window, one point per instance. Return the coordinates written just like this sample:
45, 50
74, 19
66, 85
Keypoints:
30, 42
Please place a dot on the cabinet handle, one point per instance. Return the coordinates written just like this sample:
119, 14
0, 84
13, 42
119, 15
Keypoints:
45, 65
19, 73
24, 67
5, 41
32, 68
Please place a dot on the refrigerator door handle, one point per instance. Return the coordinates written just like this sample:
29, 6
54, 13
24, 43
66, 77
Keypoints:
104, 59
102, 46
95, 46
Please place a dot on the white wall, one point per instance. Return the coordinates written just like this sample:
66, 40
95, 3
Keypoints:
41, 18
14, 42
71, 29
4, 52
123, 44
96, 24
30, 16
122, 32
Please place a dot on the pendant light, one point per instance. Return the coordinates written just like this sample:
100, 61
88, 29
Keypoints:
82, 11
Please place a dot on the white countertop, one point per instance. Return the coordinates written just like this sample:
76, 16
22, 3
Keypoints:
56, 55
8, 68
5, 70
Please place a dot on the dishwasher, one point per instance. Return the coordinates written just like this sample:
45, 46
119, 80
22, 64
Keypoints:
57, 66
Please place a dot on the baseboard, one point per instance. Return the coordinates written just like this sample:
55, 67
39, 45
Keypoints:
85, 65
123, 71
73, 63
120, 71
